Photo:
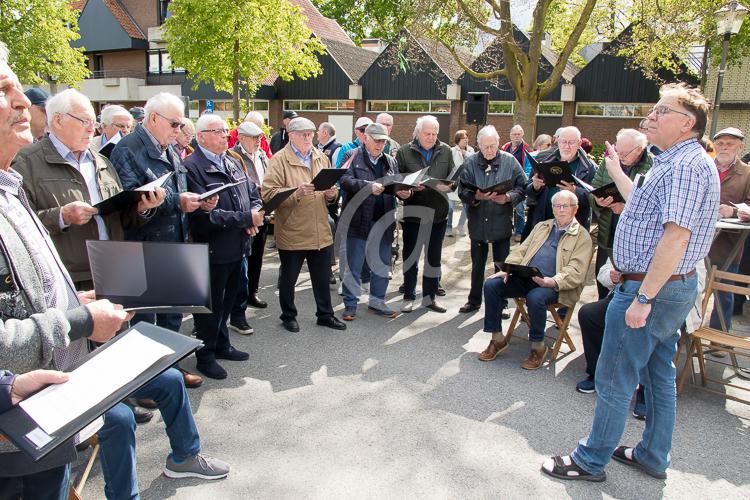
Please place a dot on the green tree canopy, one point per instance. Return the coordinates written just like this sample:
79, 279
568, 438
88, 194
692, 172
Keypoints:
38, 35
241, 44
368, 18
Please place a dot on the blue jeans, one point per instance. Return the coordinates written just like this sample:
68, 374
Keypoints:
629, 355
451, 208
51, 484
165, 320
356, 251
537, 299
519, 218
726, 300
117, 436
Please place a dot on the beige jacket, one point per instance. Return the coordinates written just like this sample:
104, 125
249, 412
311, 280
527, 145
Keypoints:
301, 223
573, 257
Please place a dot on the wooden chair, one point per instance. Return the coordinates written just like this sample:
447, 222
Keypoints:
76, 486
562, 325
706, 338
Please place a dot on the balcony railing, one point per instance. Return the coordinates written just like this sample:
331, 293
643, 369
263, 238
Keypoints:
117, 73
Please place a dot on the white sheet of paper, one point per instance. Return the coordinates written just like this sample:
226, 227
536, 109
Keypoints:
742, 207
94, 381
151, 186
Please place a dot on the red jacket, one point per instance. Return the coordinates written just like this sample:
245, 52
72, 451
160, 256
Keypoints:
263, 142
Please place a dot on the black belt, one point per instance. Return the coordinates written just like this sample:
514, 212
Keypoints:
642, 276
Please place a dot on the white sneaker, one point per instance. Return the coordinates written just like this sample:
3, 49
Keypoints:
199, 466
407, 306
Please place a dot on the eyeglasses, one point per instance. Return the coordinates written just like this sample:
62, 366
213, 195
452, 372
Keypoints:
121, 126
625, 155
220, 131
567, 143
172, 123
563, 206
86, 123
662, 110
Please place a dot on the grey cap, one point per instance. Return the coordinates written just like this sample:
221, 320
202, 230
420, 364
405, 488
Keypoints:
377, 131
138, 113
250, 129
300, 124
37, 96
290, 114
362, 121
734, 132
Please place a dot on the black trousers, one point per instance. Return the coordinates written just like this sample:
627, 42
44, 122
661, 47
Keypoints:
211, 328
601, 258
319, 265
479, 252
413, 244
255, 260
591, 320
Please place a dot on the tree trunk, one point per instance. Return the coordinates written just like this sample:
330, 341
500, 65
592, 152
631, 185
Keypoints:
524, 114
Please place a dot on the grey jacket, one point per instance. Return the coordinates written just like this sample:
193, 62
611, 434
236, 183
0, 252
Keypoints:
489, 221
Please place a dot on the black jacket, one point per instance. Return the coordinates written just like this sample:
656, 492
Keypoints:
489, 221
537, 200
278, 140
225, 227
359, 176
331, 148
410, 159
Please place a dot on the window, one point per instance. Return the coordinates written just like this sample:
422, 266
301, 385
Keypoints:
160, 62
164, 12
550, 109
500, 108
228, 106
299, 105
424, 107
603, 110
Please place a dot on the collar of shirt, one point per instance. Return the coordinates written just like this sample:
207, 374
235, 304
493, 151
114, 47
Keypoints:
668, 154
564, 228
217, 160
10, 181
728, 167
159, 147
246, 152
67, 154
321, 145
306, 159
374, 159
105, 139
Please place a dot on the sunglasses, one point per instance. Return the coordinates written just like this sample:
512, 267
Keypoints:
172, 123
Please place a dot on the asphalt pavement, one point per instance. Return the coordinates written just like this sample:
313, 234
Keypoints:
403, 408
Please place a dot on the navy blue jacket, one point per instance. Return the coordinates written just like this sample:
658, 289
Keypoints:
6, 381
360, 175
138, 161
225, 227
537, 200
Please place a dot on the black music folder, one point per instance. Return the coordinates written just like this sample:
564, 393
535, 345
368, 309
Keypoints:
521, 271
451, 181
327, 177
28, 435
554, 172
400, 182
152, 276
279, 198
603, 191
106, 150
124, 200
499, 188
220, 189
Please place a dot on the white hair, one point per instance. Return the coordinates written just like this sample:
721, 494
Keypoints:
3, 53
207, 120
639, 138
328, 127
572, 129
109, 113
557, 132
162, 103
384, 115
422, 120
564, 193
517, 128
488, 131
63, 102
254, 117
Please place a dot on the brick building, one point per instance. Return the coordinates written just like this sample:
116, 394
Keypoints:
734, 110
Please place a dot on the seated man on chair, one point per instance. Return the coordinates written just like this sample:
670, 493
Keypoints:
561, 249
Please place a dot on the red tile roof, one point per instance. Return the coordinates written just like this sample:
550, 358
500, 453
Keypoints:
120, 13
320, 25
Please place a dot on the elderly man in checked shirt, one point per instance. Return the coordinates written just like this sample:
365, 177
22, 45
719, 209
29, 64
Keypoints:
666, 227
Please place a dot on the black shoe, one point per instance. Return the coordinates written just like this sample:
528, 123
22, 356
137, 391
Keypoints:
469, 307
433, 305
402, 289
232, 354
332, 280
332, 322
255, 302
440, 292
141, 416
212, 370
291, 325
505, 315
241, 326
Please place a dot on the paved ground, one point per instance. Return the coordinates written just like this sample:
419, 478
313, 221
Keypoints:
403, 409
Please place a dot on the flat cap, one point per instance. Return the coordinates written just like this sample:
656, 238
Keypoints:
377, 131
290, 114
138, 113
37, 96
250, 129
300, 124
362, 121
734, 132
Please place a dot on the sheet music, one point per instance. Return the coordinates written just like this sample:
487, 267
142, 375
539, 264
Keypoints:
151, 186
91, 383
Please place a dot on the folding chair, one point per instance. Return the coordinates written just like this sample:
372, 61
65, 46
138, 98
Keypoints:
718, 340
562, 325
76, 486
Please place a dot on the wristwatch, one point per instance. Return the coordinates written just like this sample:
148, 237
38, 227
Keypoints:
643, 298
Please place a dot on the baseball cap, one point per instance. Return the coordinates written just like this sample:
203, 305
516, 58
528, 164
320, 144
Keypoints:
377, 131
362, 121
37, 96
733, 131
290, 114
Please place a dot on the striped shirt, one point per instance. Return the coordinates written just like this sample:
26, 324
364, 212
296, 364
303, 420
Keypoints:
682, 187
